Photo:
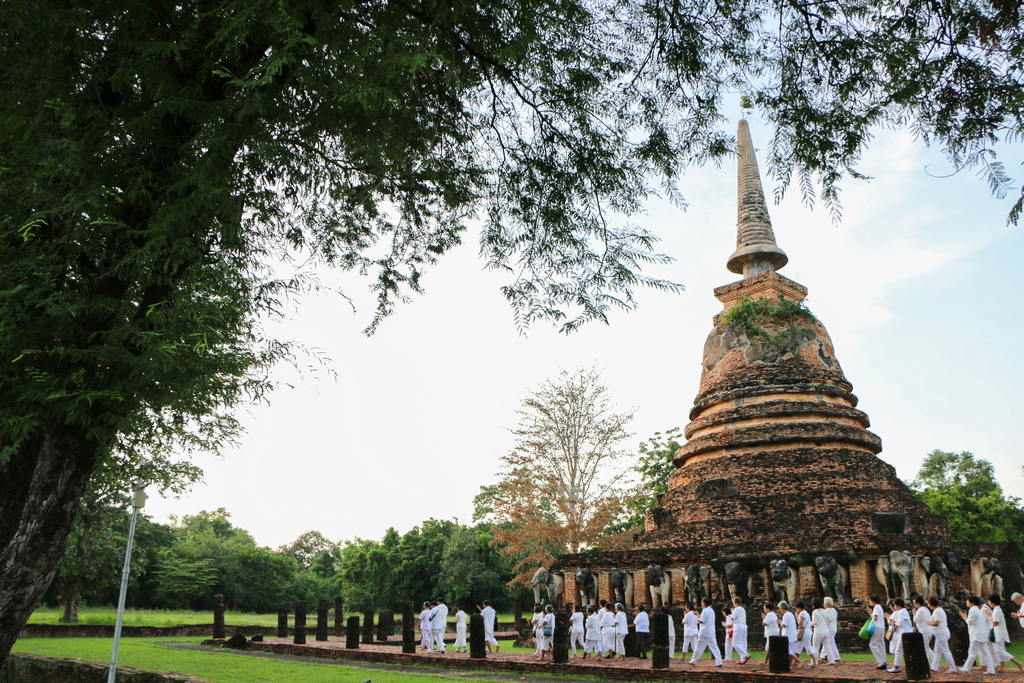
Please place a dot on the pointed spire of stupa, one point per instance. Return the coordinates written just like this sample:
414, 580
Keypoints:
756, 251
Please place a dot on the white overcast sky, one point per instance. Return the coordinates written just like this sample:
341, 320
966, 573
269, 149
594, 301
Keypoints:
918, 286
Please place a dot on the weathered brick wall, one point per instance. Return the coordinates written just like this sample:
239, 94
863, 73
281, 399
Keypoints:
28, 668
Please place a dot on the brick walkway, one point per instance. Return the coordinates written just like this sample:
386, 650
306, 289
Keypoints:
754, 671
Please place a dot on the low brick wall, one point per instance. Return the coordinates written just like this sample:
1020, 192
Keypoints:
27, 668
642, 671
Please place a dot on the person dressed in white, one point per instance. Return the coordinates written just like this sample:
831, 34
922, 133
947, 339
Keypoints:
1018, 600
977, 631
642, 626
940, 629
819, 630
901, 623
706, 635
671, 632
489, 618
739, 630
789, 630
922, 615
535, 625
621, 630
576, 629
425, 636
829, 648
1002, 634
547, 632
689, 628
728, 624
804, 632
460, 629
771, 625
438, 622
608, 633
592, 643
877, 640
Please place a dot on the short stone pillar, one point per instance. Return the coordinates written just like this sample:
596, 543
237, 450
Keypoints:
917, 666
408, 628
385, 624
560, 646
660, 656
219, 631
300, 623
368, 627
518, 616
321, 619
339, 617
477, 646
778, 654
282, 622
352, 633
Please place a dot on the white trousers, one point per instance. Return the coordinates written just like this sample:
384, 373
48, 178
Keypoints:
704, 643
739, 641
877, 645
979, 650
671, 647
575, 637
438, 638
942, 650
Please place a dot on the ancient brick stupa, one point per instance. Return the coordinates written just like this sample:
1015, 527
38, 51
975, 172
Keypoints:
779, 491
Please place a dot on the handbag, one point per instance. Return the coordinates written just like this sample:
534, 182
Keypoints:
992, 635
547, 631
888, 633
800, 633
867, 629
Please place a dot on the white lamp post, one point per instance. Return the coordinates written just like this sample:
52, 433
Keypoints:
138, 501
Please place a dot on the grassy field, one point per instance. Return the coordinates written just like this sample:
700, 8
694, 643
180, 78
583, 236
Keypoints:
224, 666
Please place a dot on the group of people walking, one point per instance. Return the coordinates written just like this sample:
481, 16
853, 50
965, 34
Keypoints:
600, 631
986, 631
434, 620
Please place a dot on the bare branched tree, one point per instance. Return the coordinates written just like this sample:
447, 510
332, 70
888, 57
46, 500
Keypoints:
566, 479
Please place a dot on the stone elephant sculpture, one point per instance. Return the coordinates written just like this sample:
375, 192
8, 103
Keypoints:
622, 586
739, 581
698, 583
936, 574
586, 582
542, 577
991, 577
832, 576
659, 583
784, 580
894, 571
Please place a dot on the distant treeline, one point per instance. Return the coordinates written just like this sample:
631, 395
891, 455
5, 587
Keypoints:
183, 564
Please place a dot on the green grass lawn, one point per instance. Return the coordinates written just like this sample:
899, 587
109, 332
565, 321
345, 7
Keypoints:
216, 666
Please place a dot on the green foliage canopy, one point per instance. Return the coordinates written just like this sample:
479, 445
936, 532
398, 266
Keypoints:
964, 490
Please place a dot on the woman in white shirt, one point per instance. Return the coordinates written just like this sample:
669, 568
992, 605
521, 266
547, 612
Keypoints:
671, 632
901, 623
592, 644
940, 629
690, 629
819, 628
547, 631
1002, 634
739, 630
978, 626
728, 624
460, 629
771, 625
576, 629
922, 615
538, 618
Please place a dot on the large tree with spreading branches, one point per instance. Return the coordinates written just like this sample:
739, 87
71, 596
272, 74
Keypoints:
568, 477
154, 155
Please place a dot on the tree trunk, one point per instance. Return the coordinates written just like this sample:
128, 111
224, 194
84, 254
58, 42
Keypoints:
71, 591
40, 489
